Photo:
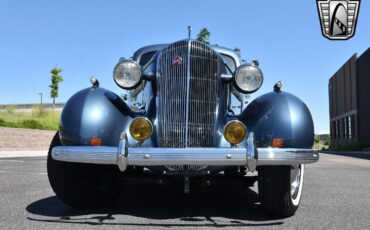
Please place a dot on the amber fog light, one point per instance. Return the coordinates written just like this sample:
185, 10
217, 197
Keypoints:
141, 129
235, 132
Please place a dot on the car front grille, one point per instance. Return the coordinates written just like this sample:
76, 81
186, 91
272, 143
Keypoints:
187, 95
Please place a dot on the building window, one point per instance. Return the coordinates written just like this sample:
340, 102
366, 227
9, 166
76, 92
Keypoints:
333, 130
345, 122
349, 120
338, 129
343, 128
353, 125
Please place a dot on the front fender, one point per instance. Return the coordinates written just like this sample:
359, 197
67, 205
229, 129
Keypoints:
279, 115
94, 112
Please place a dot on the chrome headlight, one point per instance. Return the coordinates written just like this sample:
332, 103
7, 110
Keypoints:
127, 74
248, 78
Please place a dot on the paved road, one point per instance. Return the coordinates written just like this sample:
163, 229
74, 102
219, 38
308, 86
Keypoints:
336, 196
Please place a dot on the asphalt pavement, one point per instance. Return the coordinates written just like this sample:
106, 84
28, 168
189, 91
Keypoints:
336, 195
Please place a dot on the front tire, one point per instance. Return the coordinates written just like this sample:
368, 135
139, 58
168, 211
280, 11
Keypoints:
280, 189
83, 185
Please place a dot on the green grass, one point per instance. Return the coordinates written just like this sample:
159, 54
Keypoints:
39, 118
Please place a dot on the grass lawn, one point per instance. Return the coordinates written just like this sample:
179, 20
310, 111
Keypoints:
38, 118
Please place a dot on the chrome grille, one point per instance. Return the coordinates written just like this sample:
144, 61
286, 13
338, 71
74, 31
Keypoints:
187, 94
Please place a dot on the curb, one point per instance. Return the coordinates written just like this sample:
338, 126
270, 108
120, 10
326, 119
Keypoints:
347, 152
10, 153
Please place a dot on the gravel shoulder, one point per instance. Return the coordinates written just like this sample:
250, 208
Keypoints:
15, 139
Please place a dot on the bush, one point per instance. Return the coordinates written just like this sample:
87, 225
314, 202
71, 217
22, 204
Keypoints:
3, 123
359, 146
31, 124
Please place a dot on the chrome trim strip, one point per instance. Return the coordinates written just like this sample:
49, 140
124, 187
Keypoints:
182, 156
86, 154
187, 95
122, 153
251, 152
187, 156
149, 156
276, 156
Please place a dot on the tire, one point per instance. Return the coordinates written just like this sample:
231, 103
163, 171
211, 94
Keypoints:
81, 185
280, 189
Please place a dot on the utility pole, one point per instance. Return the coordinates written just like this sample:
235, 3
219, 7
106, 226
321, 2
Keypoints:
40, 98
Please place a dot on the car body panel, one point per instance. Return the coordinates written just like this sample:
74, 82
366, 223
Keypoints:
279, 115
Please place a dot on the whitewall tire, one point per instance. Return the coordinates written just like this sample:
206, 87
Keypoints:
280, 189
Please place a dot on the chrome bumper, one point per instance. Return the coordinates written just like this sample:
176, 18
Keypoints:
124, 156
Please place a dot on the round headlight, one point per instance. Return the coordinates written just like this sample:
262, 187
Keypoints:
141, 129
235, 132
127, 74
248, 78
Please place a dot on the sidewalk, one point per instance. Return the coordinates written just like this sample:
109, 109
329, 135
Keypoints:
357, 154
10, 154
345, 152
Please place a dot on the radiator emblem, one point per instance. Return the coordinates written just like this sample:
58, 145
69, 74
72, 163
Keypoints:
177, 61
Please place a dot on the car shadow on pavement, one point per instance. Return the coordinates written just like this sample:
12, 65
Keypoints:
219, 206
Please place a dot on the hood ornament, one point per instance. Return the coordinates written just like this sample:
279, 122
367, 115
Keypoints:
277, 87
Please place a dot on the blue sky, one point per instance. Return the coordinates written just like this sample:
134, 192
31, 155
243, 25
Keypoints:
87, 38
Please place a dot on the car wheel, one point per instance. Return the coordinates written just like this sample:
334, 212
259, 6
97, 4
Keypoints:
280, 189
83, 185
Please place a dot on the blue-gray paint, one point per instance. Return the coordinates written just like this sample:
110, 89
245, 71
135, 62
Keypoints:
94, 112
279, 115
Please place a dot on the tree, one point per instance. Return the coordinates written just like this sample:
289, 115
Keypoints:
55, 79
203, 36
236, 49
317, 141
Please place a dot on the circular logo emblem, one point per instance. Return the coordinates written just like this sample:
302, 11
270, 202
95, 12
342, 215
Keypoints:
177, 61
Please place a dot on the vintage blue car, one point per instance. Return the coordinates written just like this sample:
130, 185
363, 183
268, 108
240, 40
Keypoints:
185, 116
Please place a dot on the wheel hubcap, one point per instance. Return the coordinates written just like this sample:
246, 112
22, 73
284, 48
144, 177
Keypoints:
295, 180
